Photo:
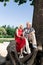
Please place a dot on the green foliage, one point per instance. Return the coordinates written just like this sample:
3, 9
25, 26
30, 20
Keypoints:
33, 2
1, 41
1, 0
30, 0
7, 36
5, 39
1, 36
10, 31
2, 30
18, 1
4, 4
4, 0
7, 31
4, 26
15, 31
22, 1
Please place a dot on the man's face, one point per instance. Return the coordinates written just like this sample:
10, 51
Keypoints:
28, 25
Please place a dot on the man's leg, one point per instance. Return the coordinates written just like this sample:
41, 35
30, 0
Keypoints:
27, 47
34, 43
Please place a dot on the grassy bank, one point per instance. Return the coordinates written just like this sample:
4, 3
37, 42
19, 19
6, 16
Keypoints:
5, 39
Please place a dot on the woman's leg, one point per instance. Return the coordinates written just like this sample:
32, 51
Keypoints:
21, 52
22, 47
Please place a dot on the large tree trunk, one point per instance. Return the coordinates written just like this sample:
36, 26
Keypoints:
38, 20
38, 26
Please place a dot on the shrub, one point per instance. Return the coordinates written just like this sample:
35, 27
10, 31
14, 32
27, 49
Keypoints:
1, 36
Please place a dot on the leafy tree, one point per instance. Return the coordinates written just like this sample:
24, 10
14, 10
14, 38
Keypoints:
17, 1
15, 31
10, 31
4, 26
2, 30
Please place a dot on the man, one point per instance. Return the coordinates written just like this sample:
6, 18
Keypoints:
29, 33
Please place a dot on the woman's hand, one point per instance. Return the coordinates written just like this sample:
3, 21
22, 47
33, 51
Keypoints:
22, 37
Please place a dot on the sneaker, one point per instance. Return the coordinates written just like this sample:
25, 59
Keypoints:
21, 56
29, 52
25, 52
34, 46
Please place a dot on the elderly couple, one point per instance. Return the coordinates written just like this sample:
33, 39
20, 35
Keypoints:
22, 36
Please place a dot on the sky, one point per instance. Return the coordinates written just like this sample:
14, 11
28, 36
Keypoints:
14, 14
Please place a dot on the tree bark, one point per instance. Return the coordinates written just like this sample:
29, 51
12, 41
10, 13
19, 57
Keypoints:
38, 20
38, 26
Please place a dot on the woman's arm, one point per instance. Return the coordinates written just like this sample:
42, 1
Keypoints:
17, 33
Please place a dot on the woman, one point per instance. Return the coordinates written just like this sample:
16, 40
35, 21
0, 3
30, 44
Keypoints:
20, 40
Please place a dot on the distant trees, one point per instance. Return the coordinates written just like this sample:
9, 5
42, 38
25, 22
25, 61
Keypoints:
2, 30
10, 31
7, 31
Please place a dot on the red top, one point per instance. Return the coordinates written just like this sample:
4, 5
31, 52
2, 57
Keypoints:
20, 32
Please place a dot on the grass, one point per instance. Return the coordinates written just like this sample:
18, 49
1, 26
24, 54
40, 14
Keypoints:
5, 39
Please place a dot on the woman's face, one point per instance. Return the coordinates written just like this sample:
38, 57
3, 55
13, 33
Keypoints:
21, 26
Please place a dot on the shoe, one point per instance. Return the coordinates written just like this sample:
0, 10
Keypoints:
34, 46
25, 52
29, 52
21, 56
